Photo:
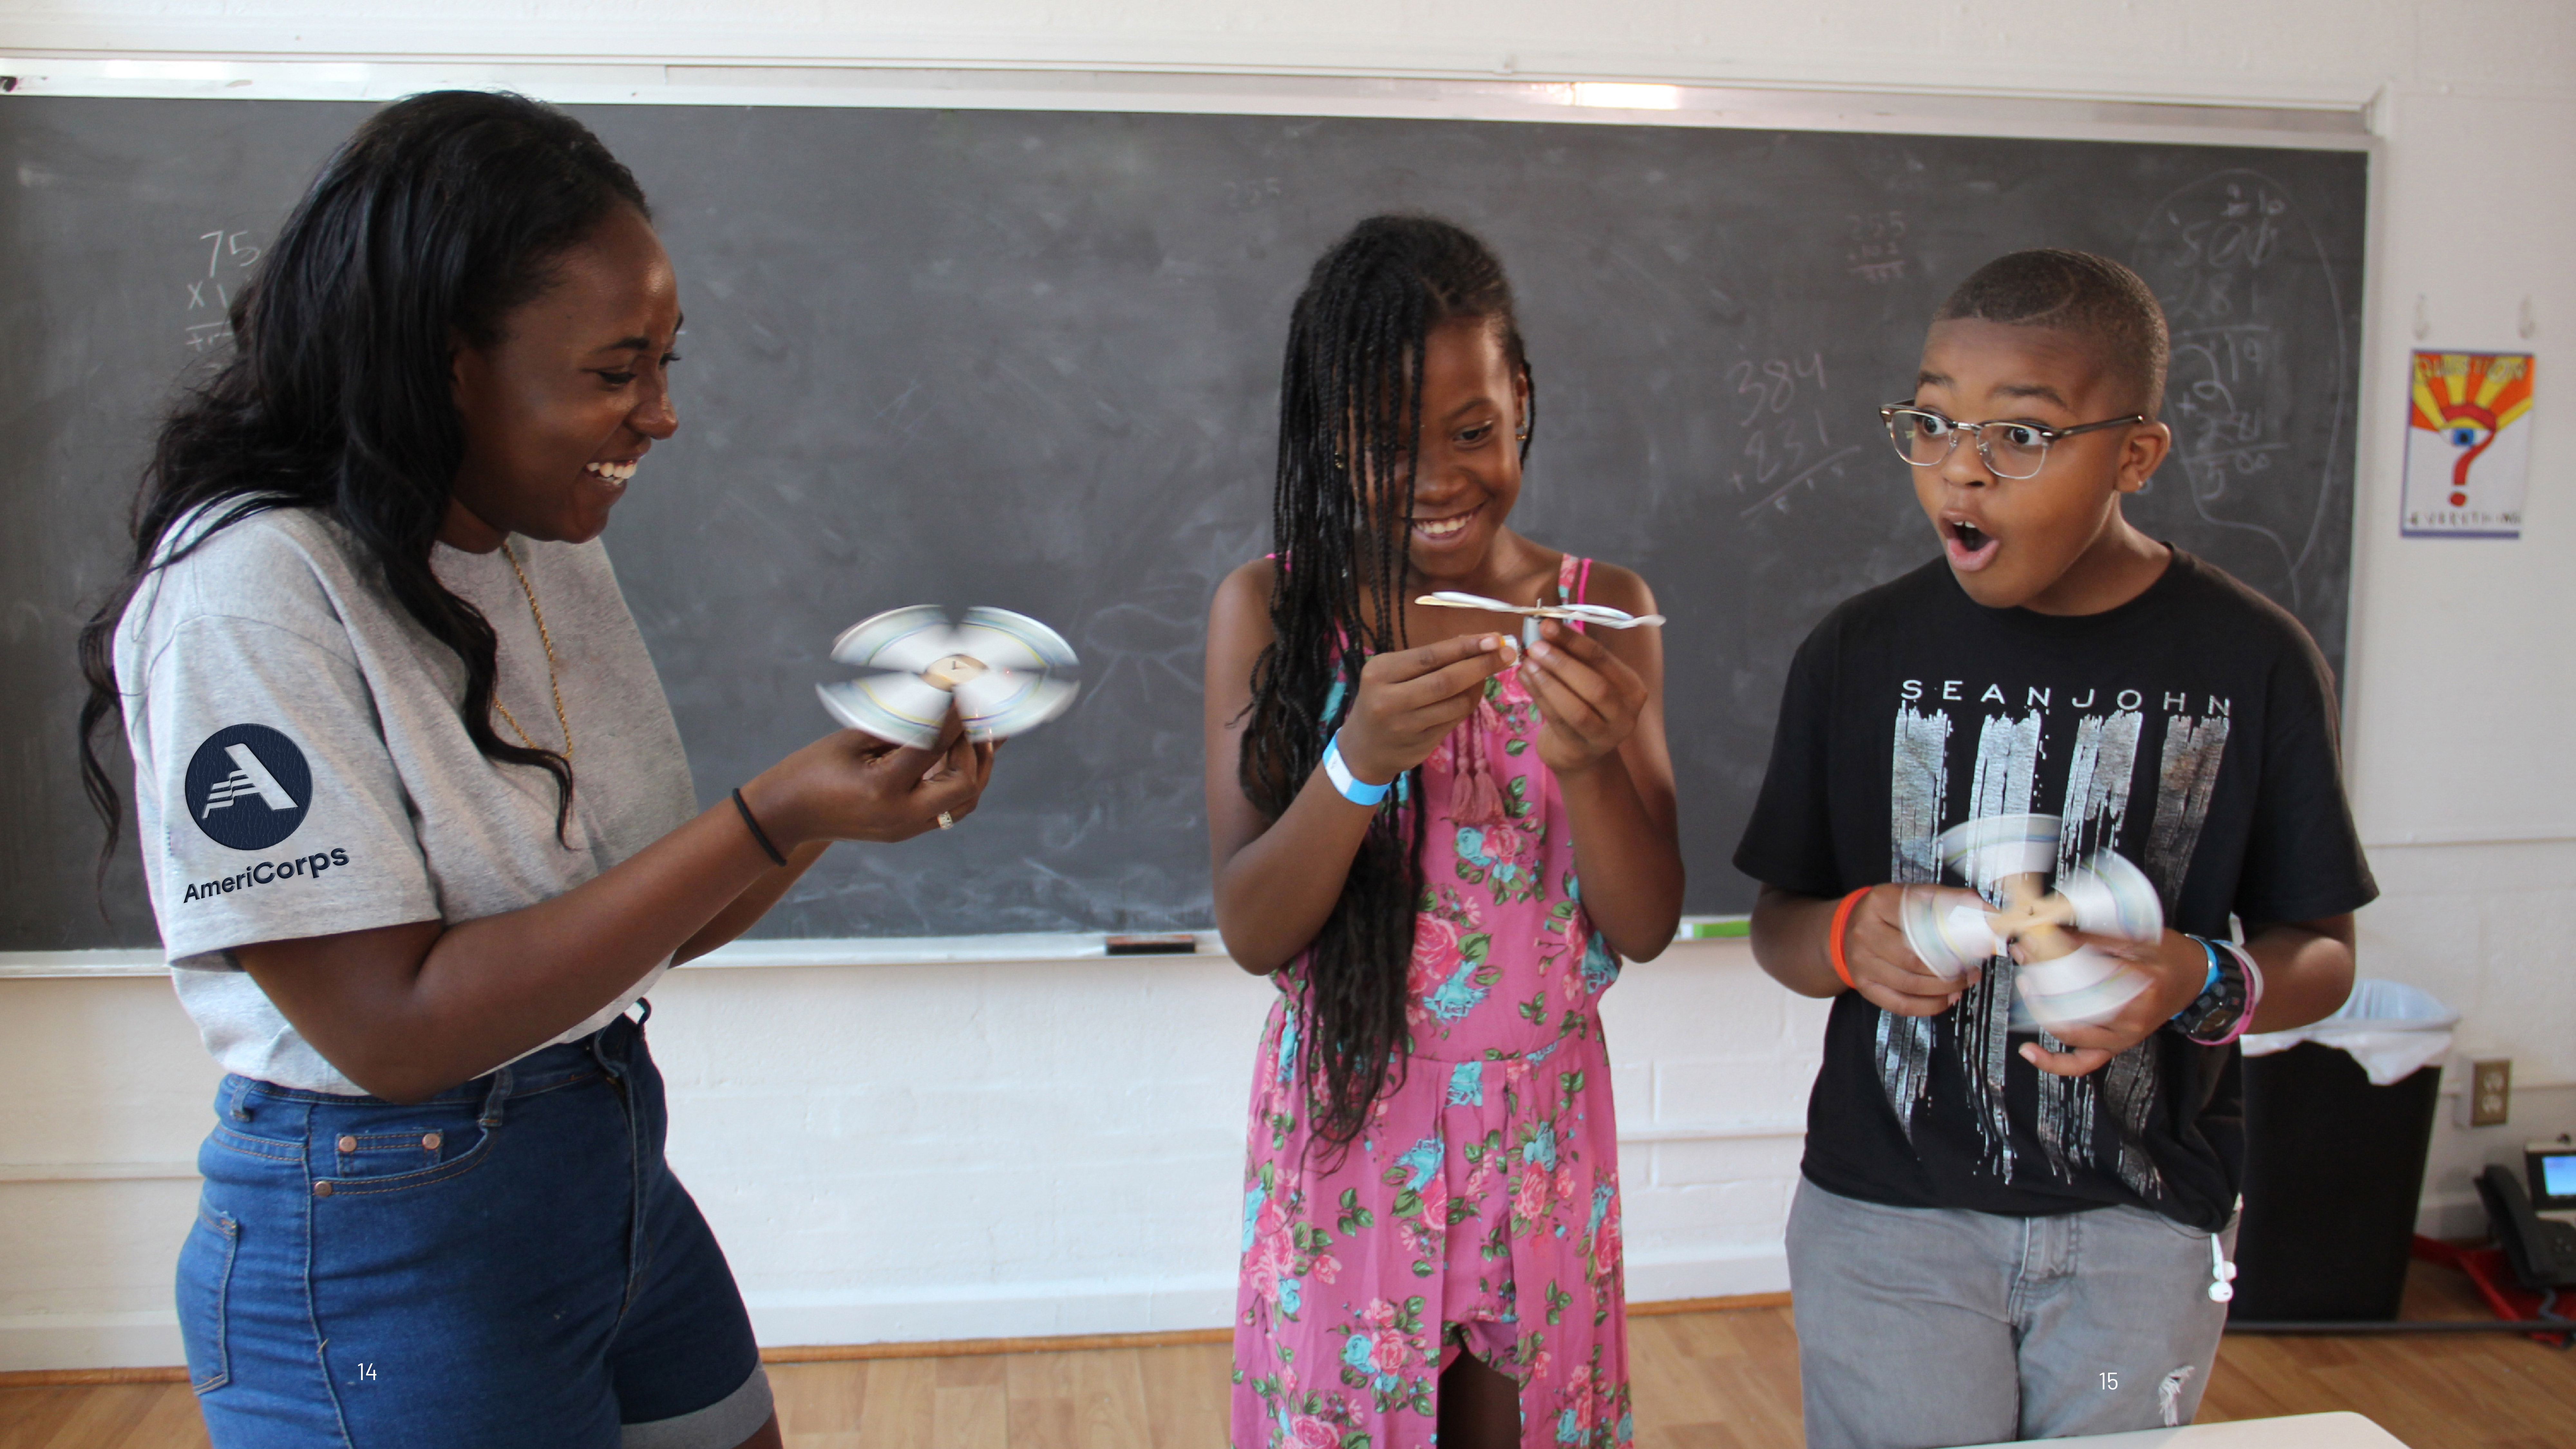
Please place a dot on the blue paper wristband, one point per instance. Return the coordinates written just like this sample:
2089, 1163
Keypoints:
1351, 786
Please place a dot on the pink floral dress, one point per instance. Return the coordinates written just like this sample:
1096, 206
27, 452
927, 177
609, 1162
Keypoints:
1479, 1212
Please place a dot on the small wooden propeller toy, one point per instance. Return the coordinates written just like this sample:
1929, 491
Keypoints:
1007, 674
2060, 982
1601, 614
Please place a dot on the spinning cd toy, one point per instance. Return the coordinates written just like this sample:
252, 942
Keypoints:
2060, 982
1601, 614
1006, 672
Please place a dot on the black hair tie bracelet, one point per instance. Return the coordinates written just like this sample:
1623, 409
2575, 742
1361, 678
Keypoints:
766, 848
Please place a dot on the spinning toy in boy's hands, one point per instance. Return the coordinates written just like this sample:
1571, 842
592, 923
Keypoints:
2060, 982
1007, 674
1601, 614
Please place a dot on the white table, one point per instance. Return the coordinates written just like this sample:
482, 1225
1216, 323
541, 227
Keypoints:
2299, 1431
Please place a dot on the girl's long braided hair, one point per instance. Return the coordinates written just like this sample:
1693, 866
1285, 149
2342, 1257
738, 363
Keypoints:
1350, 409
439, 215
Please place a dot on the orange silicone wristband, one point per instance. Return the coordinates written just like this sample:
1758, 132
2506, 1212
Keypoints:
1834, 937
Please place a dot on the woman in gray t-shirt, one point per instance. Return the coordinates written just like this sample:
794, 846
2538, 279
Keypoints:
416, 821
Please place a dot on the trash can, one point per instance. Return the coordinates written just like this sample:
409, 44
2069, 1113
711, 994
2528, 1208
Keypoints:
2338, 1115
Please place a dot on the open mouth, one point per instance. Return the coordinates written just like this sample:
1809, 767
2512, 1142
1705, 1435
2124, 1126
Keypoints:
613, 472
1968, 546
1442, 530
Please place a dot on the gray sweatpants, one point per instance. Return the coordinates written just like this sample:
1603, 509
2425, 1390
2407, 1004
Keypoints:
1928, 1327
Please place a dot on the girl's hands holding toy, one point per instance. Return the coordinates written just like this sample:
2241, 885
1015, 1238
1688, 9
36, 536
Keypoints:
1410, 699
1587, 696
852, 786
1885, 970
2179, 968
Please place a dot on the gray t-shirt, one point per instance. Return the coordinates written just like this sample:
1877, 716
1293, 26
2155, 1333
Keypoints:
301, 766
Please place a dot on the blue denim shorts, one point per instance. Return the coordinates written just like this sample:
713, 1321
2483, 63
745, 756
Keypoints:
508, 1263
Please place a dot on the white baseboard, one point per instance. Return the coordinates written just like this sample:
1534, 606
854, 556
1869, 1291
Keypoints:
1026, 1309
2451, 1216
1019, 1310
146, 1339
1708, 1273
1034, 1310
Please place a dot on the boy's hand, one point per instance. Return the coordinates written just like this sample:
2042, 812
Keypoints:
1885, 970
1411, 698
1588, 698
2178, 968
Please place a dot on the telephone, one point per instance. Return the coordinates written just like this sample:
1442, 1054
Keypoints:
2541, 1249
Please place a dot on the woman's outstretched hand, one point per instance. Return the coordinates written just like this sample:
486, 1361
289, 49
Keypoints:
1588, 698
1411, 698
851, 786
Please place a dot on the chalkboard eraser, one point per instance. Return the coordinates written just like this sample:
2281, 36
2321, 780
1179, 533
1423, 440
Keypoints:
1169, 943
1716, 928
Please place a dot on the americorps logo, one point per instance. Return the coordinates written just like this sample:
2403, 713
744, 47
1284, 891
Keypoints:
248, 787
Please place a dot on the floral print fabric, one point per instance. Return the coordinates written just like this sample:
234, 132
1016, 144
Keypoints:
1479, 1212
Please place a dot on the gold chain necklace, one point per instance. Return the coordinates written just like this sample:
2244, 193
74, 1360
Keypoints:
553, 683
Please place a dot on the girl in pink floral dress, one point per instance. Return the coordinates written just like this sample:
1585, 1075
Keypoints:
1439, 848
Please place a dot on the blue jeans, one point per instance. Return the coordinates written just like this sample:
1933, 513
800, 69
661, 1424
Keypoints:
1920, 1327
508, 1263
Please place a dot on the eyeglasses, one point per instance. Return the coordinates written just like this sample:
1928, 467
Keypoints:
2013, 450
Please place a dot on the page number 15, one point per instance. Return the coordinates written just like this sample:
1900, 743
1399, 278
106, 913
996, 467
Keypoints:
2110, 1381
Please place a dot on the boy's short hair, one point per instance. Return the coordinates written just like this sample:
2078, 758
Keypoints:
2094, 297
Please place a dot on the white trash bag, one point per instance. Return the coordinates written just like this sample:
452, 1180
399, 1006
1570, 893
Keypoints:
2392, 1029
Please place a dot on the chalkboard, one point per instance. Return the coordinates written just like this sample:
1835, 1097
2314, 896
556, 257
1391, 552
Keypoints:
1031, 360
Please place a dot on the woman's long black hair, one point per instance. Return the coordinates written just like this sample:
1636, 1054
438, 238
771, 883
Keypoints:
438, 216
1350, 409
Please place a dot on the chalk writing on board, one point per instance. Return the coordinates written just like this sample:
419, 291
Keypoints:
1245, 195
1787, 446
2229, 258
1877, 249
210, 298
1114, 496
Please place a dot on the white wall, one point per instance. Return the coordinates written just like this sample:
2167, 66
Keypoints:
1015, 1148
910, 1151
2463, 687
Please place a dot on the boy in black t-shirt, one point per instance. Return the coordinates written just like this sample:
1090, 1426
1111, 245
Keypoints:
2005, 1233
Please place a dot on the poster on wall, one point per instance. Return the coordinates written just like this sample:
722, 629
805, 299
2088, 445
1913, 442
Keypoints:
2468, 445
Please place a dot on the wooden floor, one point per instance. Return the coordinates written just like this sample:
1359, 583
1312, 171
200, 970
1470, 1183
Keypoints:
2433, 1391
1725, 1380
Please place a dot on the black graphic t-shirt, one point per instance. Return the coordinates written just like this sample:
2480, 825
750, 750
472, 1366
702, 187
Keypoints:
2191, 729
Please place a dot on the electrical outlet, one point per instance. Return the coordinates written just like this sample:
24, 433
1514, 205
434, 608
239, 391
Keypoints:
2487, 1098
